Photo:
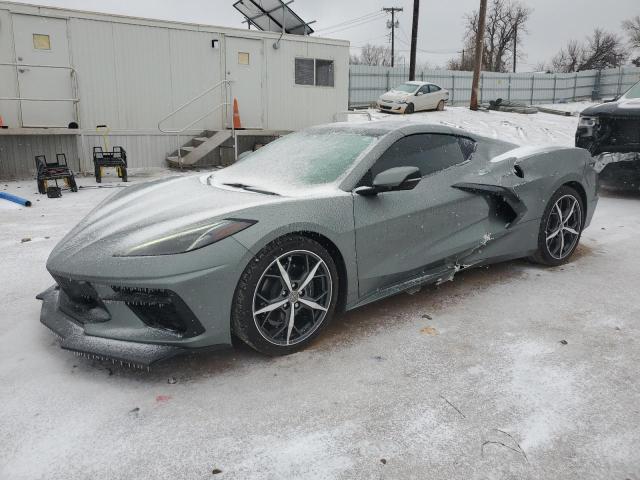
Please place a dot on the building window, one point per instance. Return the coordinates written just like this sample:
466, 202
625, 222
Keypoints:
304, 71
243, 58
324, 73
310, 71
41, 42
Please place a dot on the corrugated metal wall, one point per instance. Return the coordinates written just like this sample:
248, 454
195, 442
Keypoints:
367, 83
18, 152
143, 150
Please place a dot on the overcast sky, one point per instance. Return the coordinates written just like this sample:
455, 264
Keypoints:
552, 23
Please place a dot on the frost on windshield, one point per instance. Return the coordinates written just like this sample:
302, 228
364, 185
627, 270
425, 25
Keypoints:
298, 160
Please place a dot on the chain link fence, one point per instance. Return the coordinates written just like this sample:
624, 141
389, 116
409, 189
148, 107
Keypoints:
367, 83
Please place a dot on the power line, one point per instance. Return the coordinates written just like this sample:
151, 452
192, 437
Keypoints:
331, 27
349, 26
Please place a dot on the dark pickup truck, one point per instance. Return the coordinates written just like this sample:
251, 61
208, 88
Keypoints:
611, 132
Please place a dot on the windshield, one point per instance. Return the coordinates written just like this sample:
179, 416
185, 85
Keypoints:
633, 92
406, 87
297, 161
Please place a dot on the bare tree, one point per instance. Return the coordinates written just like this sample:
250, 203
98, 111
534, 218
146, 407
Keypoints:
632, 27
600, 50
377, 55
505, 26
569, 58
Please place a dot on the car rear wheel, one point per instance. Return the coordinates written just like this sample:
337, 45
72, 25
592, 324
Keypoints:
440, 106
286, 296
561, 227
410, 109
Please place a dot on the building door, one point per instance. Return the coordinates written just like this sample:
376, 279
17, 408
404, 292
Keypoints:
244, 69
42, 55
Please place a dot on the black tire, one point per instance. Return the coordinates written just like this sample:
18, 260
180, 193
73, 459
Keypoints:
546, 255
440, 106
410, 109
245, 326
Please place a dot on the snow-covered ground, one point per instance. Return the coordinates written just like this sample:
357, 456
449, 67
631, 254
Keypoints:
572, 107
512, 371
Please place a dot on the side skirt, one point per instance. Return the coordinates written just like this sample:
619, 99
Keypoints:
439, 276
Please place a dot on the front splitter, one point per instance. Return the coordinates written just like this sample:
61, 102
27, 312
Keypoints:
73, 338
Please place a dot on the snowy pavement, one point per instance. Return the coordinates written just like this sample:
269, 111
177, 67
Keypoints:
511, 371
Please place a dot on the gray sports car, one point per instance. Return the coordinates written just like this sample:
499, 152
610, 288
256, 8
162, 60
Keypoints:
320, 221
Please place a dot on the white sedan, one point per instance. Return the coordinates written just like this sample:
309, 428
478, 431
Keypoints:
412, 97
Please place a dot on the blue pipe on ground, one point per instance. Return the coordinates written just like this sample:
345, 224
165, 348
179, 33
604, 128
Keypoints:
15, 199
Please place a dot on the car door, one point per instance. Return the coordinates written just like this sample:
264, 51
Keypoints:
422, 98
401, 234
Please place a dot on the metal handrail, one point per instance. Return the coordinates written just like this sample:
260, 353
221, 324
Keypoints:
75, 87
353, 112
226, 103
227, 83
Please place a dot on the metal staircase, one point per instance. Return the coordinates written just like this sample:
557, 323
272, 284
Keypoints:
200, 147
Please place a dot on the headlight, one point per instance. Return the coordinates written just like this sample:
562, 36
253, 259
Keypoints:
588, 121
401, 102
188, 239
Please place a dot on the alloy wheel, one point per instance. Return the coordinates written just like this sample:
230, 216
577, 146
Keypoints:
563, 227
292, 298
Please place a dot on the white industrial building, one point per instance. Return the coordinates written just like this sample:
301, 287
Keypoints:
59, 67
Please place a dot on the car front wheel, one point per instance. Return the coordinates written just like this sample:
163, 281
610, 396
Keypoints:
286, 296
561, 227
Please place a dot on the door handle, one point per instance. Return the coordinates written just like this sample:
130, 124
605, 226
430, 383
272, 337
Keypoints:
23, 70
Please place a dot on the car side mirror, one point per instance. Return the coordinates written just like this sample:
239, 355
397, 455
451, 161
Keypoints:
419, 94
392, 180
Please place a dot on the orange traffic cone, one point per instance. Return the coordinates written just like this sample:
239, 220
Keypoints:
236, 115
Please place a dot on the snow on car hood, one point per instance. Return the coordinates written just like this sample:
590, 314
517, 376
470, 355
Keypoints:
395, 95
143, 212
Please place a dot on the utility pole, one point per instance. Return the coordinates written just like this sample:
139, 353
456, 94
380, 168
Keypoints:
482, 19
414, 40
462, 65
515, 47
393, 11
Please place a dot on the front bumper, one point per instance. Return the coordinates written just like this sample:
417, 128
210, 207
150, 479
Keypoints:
391, 107
73, 337
143, 309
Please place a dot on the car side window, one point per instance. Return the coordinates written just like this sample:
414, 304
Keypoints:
424, 89
434, 88
430, 152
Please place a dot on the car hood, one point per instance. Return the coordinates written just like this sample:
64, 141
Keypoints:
143, 212
625, 107
394, 96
